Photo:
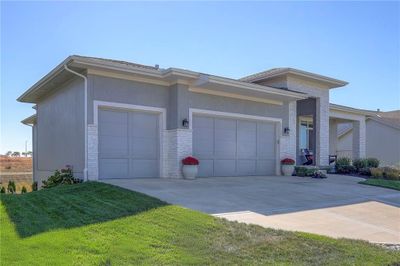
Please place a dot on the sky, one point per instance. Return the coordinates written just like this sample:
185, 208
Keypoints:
358, 42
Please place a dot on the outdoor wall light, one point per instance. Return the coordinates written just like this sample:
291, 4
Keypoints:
185, 123
286, 131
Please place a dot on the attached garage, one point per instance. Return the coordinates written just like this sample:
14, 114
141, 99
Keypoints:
129, 144
234, 147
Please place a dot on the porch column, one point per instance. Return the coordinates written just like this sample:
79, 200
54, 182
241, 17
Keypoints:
322, 130
333, 137
359, 137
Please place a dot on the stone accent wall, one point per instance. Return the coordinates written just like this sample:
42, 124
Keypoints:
288, 143
321, 93
93, 152
177, 144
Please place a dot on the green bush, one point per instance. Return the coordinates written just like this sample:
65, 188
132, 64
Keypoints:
365, 171
62, 176
343, 161
35, 186
345, 169
372, 162
305, 171
2, 190
11, 187
23, 190
360, 163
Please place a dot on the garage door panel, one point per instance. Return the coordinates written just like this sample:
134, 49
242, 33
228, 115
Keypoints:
231, 147
128, 144
144, 148
206, 168
114, 168
113, 147
265, 167
246, 167
144, 168
225, 168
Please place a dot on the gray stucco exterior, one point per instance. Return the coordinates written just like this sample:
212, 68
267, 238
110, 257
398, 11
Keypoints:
59, 138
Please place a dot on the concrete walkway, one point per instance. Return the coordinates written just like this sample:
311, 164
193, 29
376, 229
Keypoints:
337, 206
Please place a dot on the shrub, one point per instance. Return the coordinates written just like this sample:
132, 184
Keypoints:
391, 173
345, 169
376, 172
23, 190
365, 171
62, 176
287, 161
372, 162
343, 161
11, 187
190, 161
35, 186
305, 171
2, 190
360, 163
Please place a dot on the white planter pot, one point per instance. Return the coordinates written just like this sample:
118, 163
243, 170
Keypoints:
287, 170
189, 171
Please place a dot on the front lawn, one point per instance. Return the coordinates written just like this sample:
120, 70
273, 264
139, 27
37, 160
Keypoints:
392, 184
99, 224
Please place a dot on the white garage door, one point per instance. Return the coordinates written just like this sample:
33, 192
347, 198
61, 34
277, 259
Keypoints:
128, 144
234, 147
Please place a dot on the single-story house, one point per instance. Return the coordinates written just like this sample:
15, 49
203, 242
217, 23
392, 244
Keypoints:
116, 119
382, 137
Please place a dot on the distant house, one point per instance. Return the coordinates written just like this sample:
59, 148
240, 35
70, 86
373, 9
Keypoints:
382, 137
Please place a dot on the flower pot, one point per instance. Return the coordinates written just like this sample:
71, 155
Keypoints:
189, 171
287, 169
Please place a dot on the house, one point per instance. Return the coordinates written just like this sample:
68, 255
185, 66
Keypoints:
115, 119
382, 137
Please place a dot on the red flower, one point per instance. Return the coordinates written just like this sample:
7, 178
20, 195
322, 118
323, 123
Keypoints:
190, 161
287, 161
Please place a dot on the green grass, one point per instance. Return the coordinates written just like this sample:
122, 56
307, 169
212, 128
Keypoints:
392, 184
98, 224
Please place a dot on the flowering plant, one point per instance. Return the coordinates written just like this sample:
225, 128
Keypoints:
287, 161
190, 161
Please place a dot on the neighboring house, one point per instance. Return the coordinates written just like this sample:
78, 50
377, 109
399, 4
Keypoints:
382, 137
115, 119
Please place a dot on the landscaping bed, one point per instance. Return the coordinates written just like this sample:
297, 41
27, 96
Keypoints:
98, 224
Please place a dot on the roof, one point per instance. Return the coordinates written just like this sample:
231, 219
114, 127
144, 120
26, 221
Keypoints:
391, 118
80, 63
31, 120
350, 109
275, 72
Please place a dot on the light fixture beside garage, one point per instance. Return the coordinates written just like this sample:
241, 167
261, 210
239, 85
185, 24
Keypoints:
286, 131
185, 123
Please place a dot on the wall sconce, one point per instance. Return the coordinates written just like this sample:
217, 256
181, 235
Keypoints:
185, 123
286, 131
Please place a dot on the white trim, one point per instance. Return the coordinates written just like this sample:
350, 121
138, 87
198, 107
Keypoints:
234, 95
130, 107
278, 126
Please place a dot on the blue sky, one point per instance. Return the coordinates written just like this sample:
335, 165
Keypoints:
355, 41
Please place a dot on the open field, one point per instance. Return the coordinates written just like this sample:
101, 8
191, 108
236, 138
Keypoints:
17, 169
15, 164
98, 224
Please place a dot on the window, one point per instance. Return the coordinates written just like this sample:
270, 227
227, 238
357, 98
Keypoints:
306, 129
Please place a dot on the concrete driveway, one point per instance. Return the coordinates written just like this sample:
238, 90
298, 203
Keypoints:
337, 206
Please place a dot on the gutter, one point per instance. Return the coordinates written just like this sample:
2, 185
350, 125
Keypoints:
85, 170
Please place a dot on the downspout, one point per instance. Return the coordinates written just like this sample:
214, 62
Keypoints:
85, 170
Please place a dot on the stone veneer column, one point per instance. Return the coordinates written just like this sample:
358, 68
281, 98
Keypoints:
93, 152
359, 137
176, 146
288, 143
322, 130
